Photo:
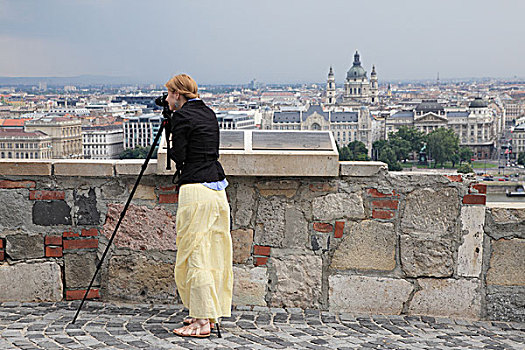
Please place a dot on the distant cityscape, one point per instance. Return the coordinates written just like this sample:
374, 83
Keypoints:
66, 119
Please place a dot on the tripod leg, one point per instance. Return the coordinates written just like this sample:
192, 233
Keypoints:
144, 166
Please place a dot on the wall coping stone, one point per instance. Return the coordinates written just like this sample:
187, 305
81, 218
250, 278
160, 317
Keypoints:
25, 167
361, 168
85, 167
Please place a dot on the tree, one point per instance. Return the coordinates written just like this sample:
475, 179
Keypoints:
465, 154
465, 168
442, 144
521, 158
454, 159
413, 136
137, 153
388, 156
401, 147
356, 150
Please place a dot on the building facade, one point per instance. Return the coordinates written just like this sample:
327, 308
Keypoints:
65, 133
233, 120
346, 126
19, 144
141, 130
476, 126
102, 141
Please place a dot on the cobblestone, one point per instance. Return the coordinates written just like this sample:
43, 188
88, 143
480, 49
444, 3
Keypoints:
143, 326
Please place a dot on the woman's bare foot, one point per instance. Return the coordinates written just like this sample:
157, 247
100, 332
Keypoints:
198, 329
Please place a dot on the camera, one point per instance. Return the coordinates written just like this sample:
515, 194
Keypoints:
161, 102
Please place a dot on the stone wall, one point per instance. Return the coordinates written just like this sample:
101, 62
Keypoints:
365, 242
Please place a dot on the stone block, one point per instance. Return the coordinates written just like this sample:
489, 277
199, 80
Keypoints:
351, 168
297, 281
471, 250
134, 166
14, 209
136, 277
319, 241
249, 285
367, 245
142, 228
143, 192
429, 210
367, 295
505, 303
20, 247
245, 203
426, 255
337, 206
72, 167
507, 263
25, 167
280, 224
51, 213
448, 298
86, 212
31, 282
242, 241
80, 268
505, 223
286, 188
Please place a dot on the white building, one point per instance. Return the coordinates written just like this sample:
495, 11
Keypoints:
141, 130
102, 141
233, 120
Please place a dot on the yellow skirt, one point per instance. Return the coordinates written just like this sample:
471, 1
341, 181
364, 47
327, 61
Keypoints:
203, 270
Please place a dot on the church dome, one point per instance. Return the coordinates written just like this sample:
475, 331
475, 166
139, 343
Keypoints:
478, 103
356, 71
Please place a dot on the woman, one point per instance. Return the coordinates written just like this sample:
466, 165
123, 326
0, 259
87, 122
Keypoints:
203, 270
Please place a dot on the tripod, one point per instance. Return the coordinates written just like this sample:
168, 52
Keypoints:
165, 125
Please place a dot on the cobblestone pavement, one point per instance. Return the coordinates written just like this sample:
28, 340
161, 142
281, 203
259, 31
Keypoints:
125, 326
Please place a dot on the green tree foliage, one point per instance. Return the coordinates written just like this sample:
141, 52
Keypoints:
401, 147
388, 156
442, 144
355, 150
465, 154
521, 158
137, 153
465, 168
415, 137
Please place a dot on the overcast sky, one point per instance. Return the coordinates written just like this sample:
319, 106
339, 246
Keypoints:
274, 41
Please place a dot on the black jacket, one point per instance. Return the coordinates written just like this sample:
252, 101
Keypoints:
195, 144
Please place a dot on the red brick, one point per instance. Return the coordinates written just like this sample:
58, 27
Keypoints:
261, 261
376, 194
46, 195
481, 188
386, 204
90, 233
339, 227
1, 243
79, 294
2, 256
261, 250
383, 214
16, 184
474, 199
54, 252
323, 227
168, 188
81, 244
53, 240
455, 178
169, 198
69, 234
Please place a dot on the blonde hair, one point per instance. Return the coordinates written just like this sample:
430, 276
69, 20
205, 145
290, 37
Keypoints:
184, 85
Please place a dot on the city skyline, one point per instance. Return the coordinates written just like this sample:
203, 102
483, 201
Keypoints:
274, 42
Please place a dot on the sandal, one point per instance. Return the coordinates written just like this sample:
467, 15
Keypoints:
189, 320
194, 332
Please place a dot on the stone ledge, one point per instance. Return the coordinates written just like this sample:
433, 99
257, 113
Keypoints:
134, 166
83, 167
361, 168
25, 167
